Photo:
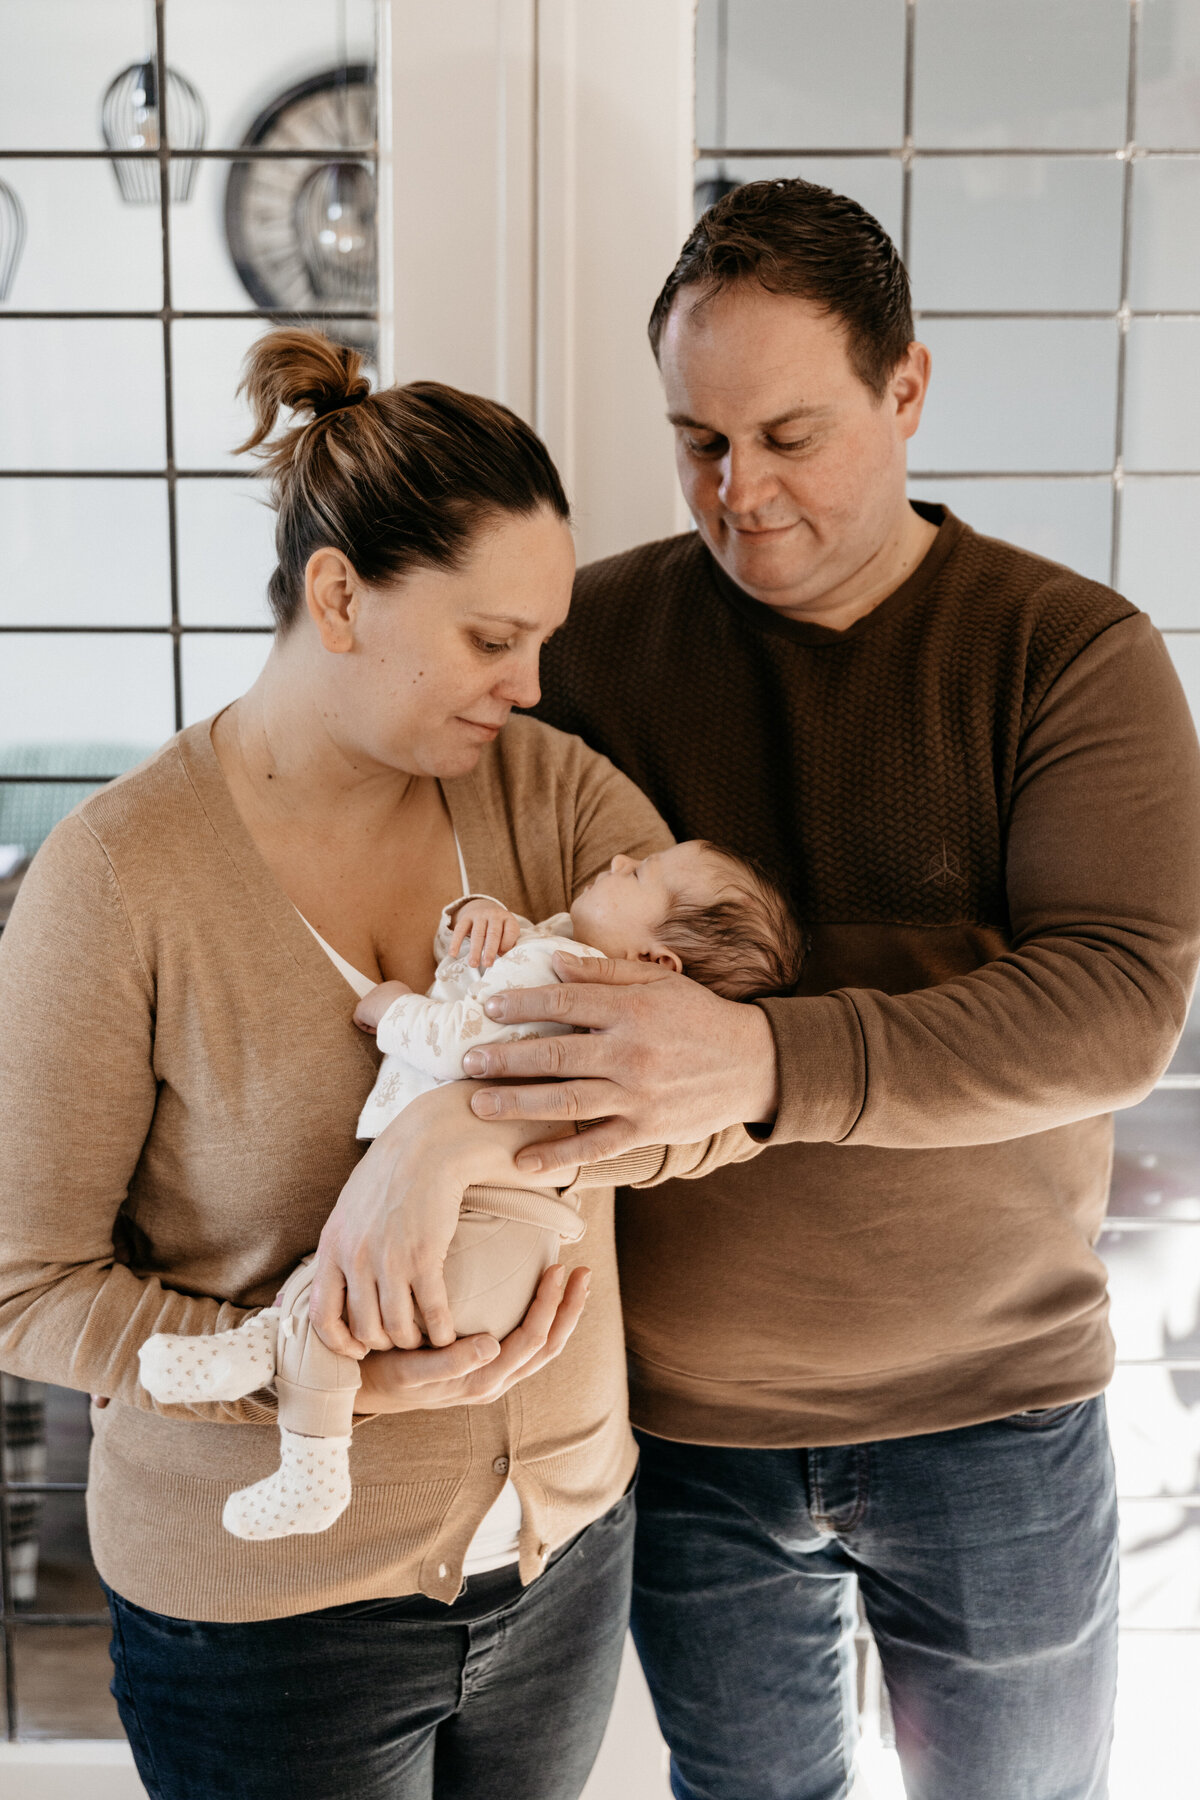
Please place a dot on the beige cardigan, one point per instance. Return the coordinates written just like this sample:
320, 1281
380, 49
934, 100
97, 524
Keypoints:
179, 1084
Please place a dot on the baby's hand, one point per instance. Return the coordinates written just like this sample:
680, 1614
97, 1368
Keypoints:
371, 1009
491, 928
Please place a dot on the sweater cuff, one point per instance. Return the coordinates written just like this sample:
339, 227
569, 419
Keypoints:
822, 1069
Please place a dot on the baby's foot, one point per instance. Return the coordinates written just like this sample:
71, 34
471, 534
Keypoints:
307, 1492
225, 1365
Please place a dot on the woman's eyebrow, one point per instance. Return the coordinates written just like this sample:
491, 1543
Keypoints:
506, 619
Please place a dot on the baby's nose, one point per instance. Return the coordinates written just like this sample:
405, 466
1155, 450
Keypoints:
620, 863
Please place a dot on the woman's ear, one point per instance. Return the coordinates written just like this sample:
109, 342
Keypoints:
331, 595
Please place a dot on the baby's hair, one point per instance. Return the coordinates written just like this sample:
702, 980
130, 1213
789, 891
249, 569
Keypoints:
746, 945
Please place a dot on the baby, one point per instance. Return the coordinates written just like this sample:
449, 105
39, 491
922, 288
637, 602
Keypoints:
695, 909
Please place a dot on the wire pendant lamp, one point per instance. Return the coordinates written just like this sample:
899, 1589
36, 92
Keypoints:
129, 119
335, 225
12, 237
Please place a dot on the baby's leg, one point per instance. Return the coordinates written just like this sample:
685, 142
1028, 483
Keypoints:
311, 1487
225, 1365
506, 1240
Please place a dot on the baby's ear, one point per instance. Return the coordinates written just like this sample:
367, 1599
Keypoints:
666, 959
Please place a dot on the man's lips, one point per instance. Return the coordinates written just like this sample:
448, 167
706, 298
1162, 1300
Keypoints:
761, 531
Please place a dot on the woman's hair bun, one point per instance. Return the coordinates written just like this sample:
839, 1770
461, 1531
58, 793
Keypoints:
297, 371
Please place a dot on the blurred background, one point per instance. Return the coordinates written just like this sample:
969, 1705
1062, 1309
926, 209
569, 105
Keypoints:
491, 193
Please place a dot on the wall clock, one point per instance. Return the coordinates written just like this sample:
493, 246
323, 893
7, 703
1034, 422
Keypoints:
302, 233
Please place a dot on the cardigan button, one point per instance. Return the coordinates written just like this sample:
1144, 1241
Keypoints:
443, 1571
500, 1466
543, 1552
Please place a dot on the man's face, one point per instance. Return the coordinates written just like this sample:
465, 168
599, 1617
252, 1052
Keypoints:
793, 469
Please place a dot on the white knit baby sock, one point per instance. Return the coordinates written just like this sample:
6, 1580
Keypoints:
307, 1492
225, 1365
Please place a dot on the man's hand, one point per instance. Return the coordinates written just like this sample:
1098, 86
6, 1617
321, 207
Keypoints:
654, 1059
371, 1008
491, 928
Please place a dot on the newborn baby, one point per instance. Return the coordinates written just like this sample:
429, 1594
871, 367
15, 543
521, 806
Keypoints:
694, 909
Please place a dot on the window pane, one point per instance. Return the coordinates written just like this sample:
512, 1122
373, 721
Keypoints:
1154, 1750
71, 703
1019, 394
1041, 74
29, 811
1160, 1564
1162, 395
84, 248
1168, 98
243, 55
787, 65
50, 1534
1155, 1423
1154, 1280
81, 394
63, 1672
51, 101
710, 99
216, 669
1023, 233
1160, 547
1068, 521
226, 540
875, 182
209, 417
238, 245
84, 553
1165, 267
1156, 1173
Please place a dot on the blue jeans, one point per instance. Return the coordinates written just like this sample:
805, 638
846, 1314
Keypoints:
506, 1693
986, 1559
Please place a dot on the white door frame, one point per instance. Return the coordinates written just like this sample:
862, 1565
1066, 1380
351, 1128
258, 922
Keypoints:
540, 166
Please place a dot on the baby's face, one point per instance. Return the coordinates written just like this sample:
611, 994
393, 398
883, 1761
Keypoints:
621, 911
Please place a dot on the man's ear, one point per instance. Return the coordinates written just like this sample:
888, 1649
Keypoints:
331, 595
666, 959
909, 386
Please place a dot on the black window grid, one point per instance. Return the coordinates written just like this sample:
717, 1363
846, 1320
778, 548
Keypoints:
908, 153
13, 1489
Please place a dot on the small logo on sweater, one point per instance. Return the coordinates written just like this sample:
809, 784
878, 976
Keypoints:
943, 869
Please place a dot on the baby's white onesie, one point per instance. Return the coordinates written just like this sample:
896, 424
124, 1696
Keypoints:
424, 1037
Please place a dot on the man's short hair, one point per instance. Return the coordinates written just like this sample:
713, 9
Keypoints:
793, 237
745, 945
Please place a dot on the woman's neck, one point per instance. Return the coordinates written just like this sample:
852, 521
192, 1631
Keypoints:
285, 760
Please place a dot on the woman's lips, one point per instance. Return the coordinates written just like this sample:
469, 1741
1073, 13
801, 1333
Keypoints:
488, 731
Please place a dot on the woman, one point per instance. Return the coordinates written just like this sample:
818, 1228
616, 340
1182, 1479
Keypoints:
179, 1081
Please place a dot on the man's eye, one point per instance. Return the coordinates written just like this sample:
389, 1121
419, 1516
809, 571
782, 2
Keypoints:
705, 446
790, 443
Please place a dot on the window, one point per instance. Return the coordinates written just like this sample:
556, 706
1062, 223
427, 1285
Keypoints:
1038, 162
136, 546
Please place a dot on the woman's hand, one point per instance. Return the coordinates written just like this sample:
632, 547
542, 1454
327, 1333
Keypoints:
381, 1255
474, 1371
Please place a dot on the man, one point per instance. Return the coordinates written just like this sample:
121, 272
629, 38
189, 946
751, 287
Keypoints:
878, 1349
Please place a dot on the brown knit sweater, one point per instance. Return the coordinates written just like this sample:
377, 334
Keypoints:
179, 1084
985, 797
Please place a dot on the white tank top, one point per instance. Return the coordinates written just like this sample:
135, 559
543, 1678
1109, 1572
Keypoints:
495, 1543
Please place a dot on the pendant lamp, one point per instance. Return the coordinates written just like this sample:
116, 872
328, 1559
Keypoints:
335, 226
129, 119
12, 237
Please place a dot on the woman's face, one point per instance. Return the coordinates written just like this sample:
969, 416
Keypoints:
432, 666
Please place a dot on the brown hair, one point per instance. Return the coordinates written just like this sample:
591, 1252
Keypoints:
396, 479
746, 945
793, 237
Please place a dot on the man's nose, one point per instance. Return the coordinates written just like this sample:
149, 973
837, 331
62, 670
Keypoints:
746, 481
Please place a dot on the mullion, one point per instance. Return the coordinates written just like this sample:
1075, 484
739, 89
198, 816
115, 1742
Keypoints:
164, 214
1123, 312
241, 153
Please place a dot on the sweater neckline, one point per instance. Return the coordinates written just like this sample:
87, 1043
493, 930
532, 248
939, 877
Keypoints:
912, 589
273, 907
